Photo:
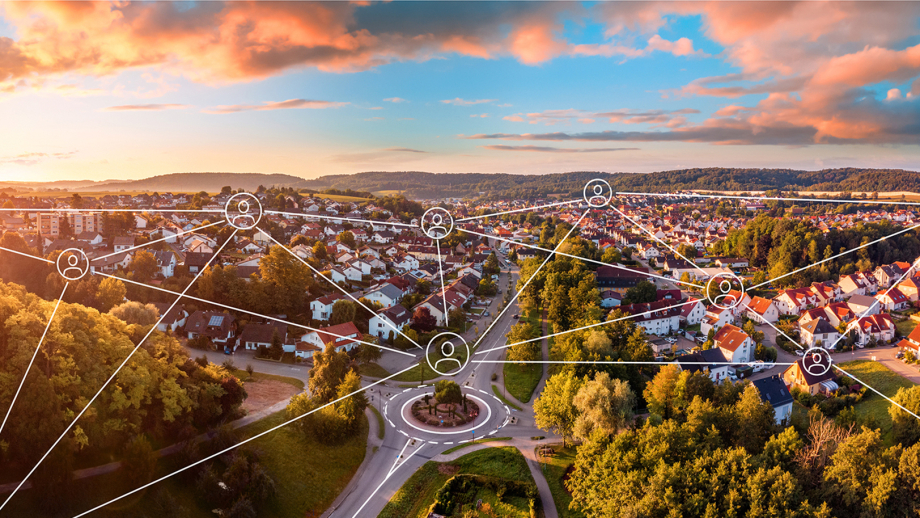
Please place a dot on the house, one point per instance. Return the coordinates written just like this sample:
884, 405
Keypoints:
711, 361
256, 335
123, 243
839, 312
692, 312
173, 320
386, 295
715, 318
220, 327
619, 279
760, 309
610, 298
344, 337
196, 261
797, 376
794, 301
912, 342
735, 344
818, 333
774, 391
853, 285
892, 300
166, 262
863, 305
880, 327
910, 288
322, 306
383, 325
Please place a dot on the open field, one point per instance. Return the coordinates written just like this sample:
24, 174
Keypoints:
554, 469
418, 493
880, 378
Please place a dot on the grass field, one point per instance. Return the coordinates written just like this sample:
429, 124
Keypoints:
499, 395
373, 370
554, 469
418, 493
477, 441
522, 380
381, 425
308, 475
904, 327
880, 378
259, 376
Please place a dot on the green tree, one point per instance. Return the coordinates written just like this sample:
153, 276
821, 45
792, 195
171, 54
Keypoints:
343, 311
555, 410
661, 393
904, 426
277, 345
111, 292
134, 312
319, 251
143, 266
139, 461
604, 405
287, 279
644, 291
347, 239
368, 353
328, 372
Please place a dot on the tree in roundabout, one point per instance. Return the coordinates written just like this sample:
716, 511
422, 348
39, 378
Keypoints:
447, 392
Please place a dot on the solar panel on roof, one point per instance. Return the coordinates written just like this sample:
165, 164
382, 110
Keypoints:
216, 321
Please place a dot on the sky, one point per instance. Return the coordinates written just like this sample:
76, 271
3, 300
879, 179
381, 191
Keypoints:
131, 90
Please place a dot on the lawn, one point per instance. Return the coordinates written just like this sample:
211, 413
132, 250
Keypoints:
522, 380
373, 370
381, 425
477, 441
905, 326
259, 376
499, 395
554, 469
420, 375
418, 493
881, 378
308, 475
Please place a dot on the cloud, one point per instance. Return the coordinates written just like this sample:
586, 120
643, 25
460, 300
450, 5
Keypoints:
550, 149
375, 119
456, 101
403, 150
145, 107
34, 158
395, 100
623, 116
480, 115
279, 105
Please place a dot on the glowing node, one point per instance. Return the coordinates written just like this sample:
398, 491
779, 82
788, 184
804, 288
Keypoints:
447, 344
243, 211
729, 290
817, 361
72, 264
437, 223
598, 193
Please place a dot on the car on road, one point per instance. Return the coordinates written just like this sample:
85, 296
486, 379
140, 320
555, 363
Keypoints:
516, 316
900, 355
731, 376
798, 352
758, 365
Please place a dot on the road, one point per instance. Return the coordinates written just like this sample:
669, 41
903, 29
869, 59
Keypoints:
374, 483
242, 357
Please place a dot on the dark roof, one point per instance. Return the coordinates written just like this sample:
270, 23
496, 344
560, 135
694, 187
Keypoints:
610, 277
773, 390
262, 333
197, 258
695, 362
818, 326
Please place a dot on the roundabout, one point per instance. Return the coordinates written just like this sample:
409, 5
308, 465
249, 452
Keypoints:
492, 416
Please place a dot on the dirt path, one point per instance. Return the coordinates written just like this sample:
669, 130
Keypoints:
265, 393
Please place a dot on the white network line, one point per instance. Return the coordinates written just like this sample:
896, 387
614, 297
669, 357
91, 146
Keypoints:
620, 267
532, 277
649, 232
396, 466
778, 330
519, 210
209, 211
114, 374
252, 313
841, 254
877, 300
337, 218
25, 373
30, 256
765, 198
621, 362
627, 317
343, 290
158, 240
237, 445
876, 391
443, 287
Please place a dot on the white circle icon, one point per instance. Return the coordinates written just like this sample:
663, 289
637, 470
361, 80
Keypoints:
816, 361
452, 360
725, 290
598, 193
437, 223
72, 264
243, 211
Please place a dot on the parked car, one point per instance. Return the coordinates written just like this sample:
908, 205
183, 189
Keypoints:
516, 316
799, 352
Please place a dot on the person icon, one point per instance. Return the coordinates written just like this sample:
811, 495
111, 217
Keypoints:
72, 264
598, 199
244, 218
243, 211
437, 223
598, 193
448, 350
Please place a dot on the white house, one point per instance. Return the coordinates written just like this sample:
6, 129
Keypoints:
383, 325
735, 344
762, 310
818, 330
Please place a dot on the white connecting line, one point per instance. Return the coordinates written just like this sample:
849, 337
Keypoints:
252, 313
659, 240
619, 362
532, 277
627, 317
437, 242
525, 209
396, 466
25, 373
158, 240
337, 218
877, 392
765, 198
534, 247
343, 290
30, 256
210, 211
112, 377
237, 445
